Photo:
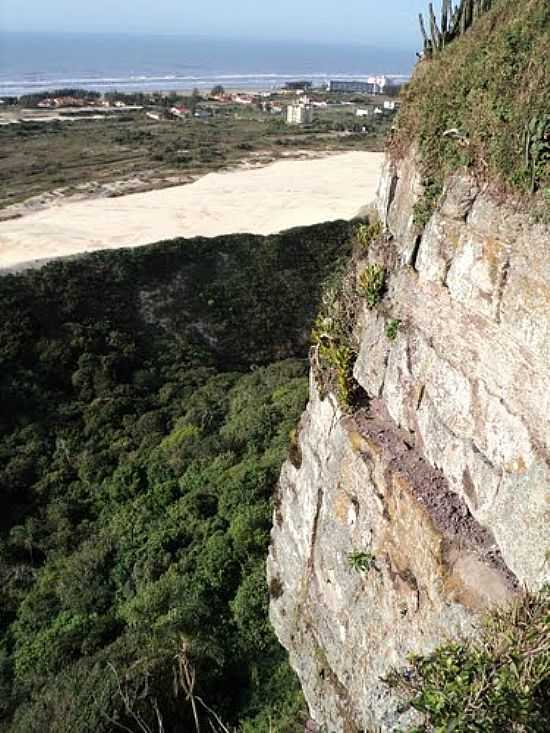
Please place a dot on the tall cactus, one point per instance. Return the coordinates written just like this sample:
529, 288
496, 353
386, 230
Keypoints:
454, 22
437, 37
445, 18
423, 29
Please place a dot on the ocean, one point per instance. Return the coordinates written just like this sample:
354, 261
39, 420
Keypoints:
31, 62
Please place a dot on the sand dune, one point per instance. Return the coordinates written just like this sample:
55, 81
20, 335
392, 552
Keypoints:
262, 201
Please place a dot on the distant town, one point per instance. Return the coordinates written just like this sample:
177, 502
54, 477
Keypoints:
298, 102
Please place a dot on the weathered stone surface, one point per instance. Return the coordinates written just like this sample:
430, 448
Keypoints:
477, 348
399, 189
361, 488
445, 480
458, 197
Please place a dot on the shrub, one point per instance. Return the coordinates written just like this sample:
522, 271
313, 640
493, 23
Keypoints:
371, 284
499, 682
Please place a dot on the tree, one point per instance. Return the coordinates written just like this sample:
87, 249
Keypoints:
217, 91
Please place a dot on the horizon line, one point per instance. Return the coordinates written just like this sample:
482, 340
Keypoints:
213, 37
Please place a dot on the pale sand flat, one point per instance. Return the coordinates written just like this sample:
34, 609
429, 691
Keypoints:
266, 200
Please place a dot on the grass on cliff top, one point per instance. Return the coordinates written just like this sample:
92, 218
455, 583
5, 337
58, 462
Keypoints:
492, 87
500, 682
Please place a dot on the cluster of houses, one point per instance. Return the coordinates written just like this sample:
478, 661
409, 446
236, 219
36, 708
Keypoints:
61, 102
260, 100
302, 112
56, 102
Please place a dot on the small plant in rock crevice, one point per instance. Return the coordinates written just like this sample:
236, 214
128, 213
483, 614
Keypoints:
333, 337
372, 282
294, 449
361, 560
364, 234
426, 204
392, 328
341, 358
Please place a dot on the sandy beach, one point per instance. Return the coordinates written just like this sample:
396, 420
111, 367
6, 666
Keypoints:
262, 201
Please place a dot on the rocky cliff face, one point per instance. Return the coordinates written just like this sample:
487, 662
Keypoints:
441, 479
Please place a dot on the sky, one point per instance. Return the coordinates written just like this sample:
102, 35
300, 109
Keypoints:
390, 24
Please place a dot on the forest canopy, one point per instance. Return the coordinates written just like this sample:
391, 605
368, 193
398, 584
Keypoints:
147, 401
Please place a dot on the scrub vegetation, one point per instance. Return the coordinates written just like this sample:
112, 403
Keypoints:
483, 102
498, 682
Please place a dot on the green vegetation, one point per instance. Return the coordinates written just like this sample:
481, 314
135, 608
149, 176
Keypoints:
361, 561
372, 282
500, 682
332, 337
426, 204
392, 328
147, 400
483, 103
366, 233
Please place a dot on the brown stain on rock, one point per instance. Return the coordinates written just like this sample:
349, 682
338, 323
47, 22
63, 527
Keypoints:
494, 254
342, 506
429, 533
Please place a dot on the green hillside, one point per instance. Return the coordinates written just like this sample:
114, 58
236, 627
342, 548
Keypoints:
147, 401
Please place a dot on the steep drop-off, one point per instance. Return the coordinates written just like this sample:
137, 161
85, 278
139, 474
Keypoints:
401, 521
443, 478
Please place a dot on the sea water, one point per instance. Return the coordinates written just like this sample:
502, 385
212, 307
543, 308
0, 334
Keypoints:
31, 62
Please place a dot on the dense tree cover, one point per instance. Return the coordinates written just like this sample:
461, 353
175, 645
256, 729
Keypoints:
33, 99
147, 400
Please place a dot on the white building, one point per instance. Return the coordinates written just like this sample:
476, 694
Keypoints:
359, 112
379, 83
299, 114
